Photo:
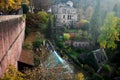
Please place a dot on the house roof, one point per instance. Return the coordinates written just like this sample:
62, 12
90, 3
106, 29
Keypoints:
26, 57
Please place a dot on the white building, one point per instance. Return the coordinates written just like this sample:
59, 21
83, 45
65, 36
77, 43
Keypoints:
64, 13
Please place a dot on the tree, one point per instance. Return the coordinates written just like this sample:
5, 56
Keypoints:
110, 32
80, 13
80, 76
116, 10
7, 6
66, 36
89, 12
32, 20
41, 5
49, 27
25, 8
37, 43
13, 74
43, 16
38, 73
83, 24
106, 72
95, 22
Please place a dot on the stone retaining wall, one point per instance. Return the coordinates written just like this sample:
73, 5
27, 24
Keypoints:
12, 30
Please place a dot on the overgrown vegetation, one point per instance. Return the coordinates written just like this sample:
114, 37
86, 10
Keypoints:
13, 74
110, 32
98, 23
38, 73
11, 6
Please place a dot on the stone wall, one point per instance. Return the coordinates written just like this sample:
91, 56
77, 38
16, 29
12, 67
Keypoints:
11, 37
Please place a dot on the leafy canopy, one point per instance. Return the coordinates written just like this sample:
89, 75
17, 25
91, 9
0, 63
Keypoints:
110, 32
7, 5
66, 36
13, 74
43, 16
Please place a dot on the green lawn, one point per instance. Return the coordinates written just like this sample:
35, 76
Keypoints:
74, 55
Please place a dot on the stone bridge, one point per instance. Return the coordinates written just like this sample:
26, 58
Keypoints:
12, 30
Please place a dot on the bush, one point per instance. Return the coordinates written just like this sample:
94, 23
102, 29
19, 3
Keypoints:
37, 43
106, 72
27, 45
43, 27
25, 8
80, 76
13, 74
43, 73
43, 16
66, 36
118, 71
61, 45
106, 68
89, 69
27, 31
32, 20
97, 77
80, 50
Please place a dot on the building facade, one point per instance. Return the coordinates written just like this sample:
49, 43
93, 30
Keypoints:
65, 13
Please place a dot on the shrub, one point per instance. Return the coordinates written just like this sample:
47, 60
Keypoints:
27, 45
80, 76
66, 36
38, 73
32, 20
37, 43
118, 71
97, 77
43, 16
42, 26
13, 74
61, 45
106, 72
25, 8
89, 69
27, 31
106, 68
43, 73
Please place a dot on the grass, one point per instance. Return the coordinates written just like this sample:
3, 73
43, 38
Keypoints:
74, 55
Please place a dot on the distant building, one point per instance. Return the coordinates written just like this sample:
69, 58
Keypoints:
65, 14
81, 44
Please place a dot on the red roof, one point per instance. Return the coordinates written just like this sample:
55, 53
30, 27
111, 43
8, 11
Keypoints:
72, 35
26, 57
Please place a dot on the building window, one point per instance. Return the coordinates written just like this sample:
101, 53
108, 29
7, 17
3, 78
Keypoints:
63, 16
70, 17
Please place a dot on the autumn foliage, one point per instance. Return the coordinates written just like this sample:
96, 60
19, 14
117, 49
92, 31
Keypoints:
8, 5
